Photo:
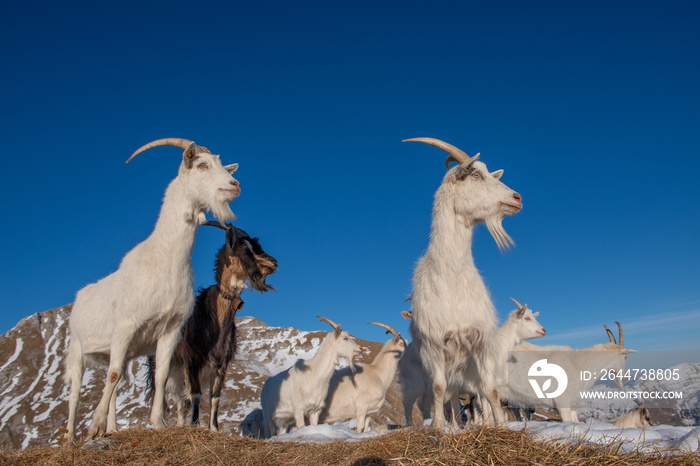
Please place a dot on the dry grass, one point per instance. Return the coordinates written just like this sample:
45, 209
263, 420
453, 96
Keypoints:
195, 446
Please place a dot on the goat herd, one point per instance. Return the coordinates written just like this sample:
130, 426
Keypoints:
147, 307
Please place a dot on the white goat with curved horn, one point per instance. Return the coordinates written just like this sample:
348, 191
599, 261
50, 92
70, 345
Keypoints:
300, 391
139, 309
361, 393
453, 319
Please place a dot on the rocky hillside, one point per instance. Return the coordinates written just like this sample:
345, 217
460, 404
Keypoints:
34, 399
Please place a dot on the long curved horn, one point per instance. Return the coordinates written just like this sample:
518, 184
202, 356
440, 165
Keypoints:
610, 334
388, 329
520, 306
456, 155
176, 142
619, 328
329, 321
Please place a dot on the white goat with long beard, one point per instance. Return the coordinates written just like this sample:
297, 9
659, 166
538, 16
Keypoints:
139, 309
454, 320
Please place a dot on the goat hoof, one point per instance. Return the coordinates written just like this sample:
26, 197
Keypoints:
96, 431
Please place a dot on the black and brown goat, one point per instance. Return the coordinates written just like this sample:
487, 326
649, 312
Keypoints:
209, 334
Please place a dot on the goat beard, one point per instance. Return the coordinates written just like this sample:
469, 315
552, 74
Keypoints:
222, 211
503, 240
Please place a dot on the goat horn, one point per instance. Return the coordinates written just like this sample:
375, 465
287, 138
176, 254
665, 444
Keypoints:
610, 334
520, 306
211, 223
456, 155
388, 329
619, 328
333, 324
177, 142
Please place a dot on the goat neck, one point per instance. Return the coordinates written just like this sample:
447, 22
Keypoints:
326, 358
387, 360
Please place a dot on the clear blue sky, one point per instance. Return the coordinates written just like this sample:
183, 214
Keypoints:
592, 108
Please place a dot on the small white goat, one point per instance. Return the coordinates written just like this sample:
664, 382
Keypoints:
139, 309
361, 393
454, 320
520, 325
638, 418
595, 359
300, 391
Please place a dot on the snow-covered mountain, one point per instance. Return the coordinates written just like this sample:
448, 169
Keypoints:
34, 399
680, 412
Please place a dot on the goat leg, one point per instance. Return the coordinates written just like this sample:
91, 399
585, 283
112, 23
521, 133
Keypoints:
194, 388
217, 382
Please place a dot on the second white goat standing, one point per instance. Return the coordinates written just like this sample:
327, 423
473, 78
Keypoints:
358, 394
300, 391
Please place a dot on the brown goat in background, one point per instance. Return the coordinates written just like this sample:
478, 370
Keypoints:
209, 334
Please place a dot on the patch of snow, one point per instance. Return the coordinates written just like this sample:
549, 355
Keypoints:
650, 439
19, 344
29, 435
323, 433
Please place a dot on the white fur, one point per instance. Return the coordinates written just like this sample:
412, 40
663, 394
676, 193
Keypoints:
595, 359
358, 395
454, 320
415, 381
299, 392
139, 309
636, 419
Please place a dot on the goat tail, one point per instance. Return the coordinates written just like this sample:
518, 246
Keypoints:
150, 377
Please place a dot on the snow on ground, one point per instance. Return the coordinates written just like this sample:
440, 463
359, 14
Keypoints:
651, 439
325, 432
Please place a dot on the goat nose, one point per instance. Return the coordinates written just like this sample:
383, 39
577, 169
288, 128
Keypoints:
517, 197
235, 183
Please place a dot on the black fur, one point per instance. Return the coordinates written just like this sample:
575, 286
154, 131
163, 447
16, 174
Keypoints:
209, 334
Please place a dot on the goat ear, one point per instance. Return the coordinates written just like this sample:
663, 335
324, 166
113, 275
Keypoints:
230, 236
497, 174
337, 332
189, 154
463, 171
535, 314
406, 314
231, 168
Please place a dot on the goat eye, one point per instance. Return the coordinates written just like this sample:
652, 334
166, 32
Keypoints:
527, 318
202, 166
477, 175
